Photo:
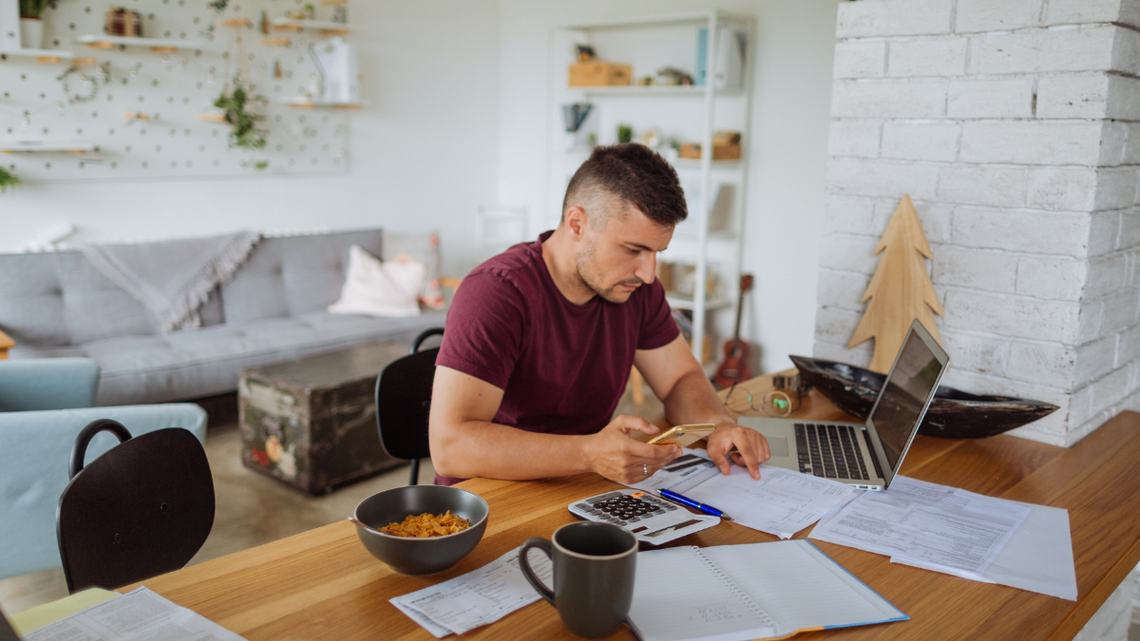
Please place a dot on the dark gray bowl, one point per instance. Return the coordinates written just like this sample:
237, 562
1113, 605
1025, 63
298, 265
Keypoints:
420, 556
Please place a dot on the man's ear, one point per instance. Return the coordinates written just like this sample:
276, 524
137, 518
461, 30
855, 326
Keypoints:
576, 221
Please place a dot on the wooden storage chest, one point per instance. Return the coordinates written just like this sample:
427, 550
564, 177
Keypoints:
311, 423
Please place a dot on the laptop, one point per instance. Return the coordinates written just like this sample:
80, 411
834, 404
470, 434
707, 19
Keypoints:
866, 455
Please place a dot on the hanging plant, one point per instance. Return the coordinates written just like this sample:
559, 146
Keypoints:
7, 179
246, 133
34, 8
217, 5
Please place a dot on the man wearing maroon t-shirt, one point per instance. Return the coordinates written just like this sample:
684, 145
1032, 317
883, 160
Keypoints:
540, 339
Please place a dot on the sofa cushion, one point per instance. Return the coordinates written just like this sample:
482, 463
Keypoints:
59, 298
293, 275
202, 362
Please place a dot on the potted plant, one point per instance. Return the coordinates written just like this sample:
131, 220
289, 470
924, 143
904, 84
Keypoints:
31, 24
234, 106
7, 179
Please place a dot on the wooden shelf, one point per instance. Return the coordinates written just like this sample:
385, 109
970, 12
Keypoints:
212, 117
306, 103
41, 55
158, 45
687, 303
324, 26
655, 90
43, 146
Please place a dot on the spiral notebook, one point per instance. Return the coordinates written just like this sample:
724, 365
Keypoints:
753, 591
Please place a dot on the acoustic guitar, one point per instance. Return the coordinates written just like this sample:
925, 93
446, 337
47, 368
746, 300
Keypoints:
737, 353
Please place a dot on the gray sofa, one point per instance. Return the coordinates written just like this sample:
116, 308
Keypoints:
56, 304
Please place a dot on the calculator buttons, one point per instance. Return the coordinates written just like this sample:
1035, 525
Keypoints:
652, 519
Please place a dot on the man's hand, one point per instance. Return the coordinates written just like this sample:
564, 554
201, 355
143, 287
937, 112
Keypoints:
613, 454
751, 448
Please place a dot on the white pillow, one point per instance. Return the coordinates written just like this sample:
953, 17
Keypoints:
377, 288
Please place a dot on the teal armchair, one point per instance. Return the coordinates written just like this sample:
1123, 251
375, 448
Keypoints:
44, 403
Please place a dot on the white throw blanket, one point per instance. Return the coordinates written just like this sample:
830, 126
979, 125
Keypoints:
172, 278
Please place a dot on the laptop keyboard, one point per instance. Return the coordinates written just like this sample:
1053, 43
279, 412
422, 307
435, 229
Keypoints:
829, 451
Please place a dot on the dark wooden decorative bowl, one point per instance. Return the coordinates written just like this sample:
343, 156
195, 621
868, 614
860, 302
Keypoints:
952, 414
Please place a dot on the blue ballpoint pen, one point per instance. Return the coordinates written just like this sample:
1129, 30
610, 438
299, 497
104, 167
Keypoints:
684, 500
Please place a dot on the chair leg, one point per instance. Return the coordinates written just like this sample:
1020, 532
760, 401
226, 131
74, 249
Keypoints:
415, 476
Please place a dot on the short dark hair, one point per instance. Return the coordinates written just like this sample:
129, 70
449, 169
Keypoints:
635, 174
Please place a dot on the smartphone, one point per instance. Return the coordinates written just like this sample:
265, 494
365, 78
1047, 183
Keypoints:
683, 435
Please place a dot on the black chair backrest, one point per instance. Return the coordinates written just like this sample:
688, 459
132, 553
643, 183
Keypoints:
143, 508
403, 403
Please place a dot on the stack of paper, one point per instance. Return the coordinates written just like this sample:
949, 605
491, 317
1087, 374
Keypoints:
476, 598
953, 531
139, 615
781, 503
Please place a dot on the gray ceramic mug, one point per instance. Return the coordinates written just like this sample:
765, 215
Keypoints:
594, 566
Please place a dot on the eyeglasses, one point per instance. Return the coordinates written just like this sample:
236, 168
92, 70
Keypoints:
777, 402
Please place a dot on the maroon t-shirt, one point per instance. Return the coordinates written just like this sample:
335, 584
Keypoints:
562, 367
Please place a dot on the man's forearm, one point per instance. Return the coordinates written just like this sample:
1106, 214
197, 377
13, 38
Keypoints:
693, 400
491, 450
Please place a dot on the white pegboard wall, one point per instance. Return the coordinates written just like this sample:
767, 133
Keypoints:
171, 91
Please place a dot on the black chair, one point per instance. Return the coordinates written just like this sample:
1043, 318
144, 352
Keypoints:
143, 508
403, 402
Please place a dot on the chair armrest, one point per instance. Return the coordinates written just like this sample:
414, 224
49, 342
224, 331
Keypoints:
47, 383
6, 343
34, 451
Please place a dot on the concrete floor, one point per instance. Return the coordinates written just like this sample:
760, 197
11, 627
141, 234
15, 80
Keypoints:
253, 509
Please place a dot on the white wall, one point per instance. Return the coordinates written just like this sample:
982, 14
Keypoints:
423, 153
792, 92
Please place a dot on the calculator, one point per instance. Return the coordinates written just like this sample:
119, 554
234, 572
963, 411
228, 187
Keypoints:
651, 519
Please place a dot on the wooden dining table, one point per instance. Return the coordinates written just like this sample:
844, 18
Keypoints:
323, 584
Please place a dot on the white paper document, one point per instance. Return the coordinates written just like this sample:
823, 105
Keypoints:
476, 598
781, 503
139, 615
956, 532
925, 522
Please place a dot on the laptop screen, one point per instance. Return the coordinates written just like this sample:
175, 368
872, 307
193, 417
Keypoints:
903, 402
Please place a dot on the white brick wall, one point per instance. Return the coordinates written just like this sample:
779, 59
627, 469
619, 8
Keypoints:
990, 98
1111, 621
986, 15
1015, 128
860, 59
927, 57
881, 18
1038, 50
889, 98
920, 140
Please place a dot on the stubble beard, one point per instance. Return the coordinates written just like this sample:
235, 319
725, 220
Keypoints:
586, 274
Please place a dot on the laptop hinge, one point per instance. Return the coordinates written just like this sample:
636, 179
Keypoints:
871, 451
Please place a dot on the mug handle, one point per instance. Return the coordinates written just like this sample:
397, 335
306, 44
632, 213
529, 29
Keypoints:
545, 546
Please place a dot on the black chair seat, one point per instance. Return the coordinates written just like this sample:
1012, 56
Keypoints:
143, 508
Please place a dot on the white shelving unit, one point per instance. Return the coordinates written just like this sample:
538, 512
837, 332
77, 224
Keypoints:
688, 113
160, 45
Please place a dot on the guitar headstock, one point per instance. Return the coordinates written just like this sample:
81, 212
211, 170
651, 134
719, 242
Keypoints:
745, 282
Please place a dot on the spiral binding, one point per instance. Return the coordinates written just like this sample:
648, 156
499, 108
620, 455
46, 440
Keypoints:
743, 596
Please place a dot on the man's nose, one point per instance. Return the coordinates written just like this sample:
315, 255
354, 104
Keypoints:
647, 269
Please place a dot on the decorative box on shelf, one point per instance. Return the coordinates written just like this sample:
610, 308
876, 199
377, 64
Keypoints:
600, 74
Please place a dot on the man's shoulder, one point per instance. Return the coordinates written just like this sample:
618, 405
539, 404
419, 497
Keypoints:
518, 265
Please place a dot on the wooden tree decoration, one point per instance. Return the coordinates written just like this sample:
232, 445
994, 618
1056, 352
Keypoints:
900, 291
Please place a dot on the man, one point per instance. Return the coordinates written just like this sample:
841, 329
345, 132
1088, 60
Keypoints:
540, 339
